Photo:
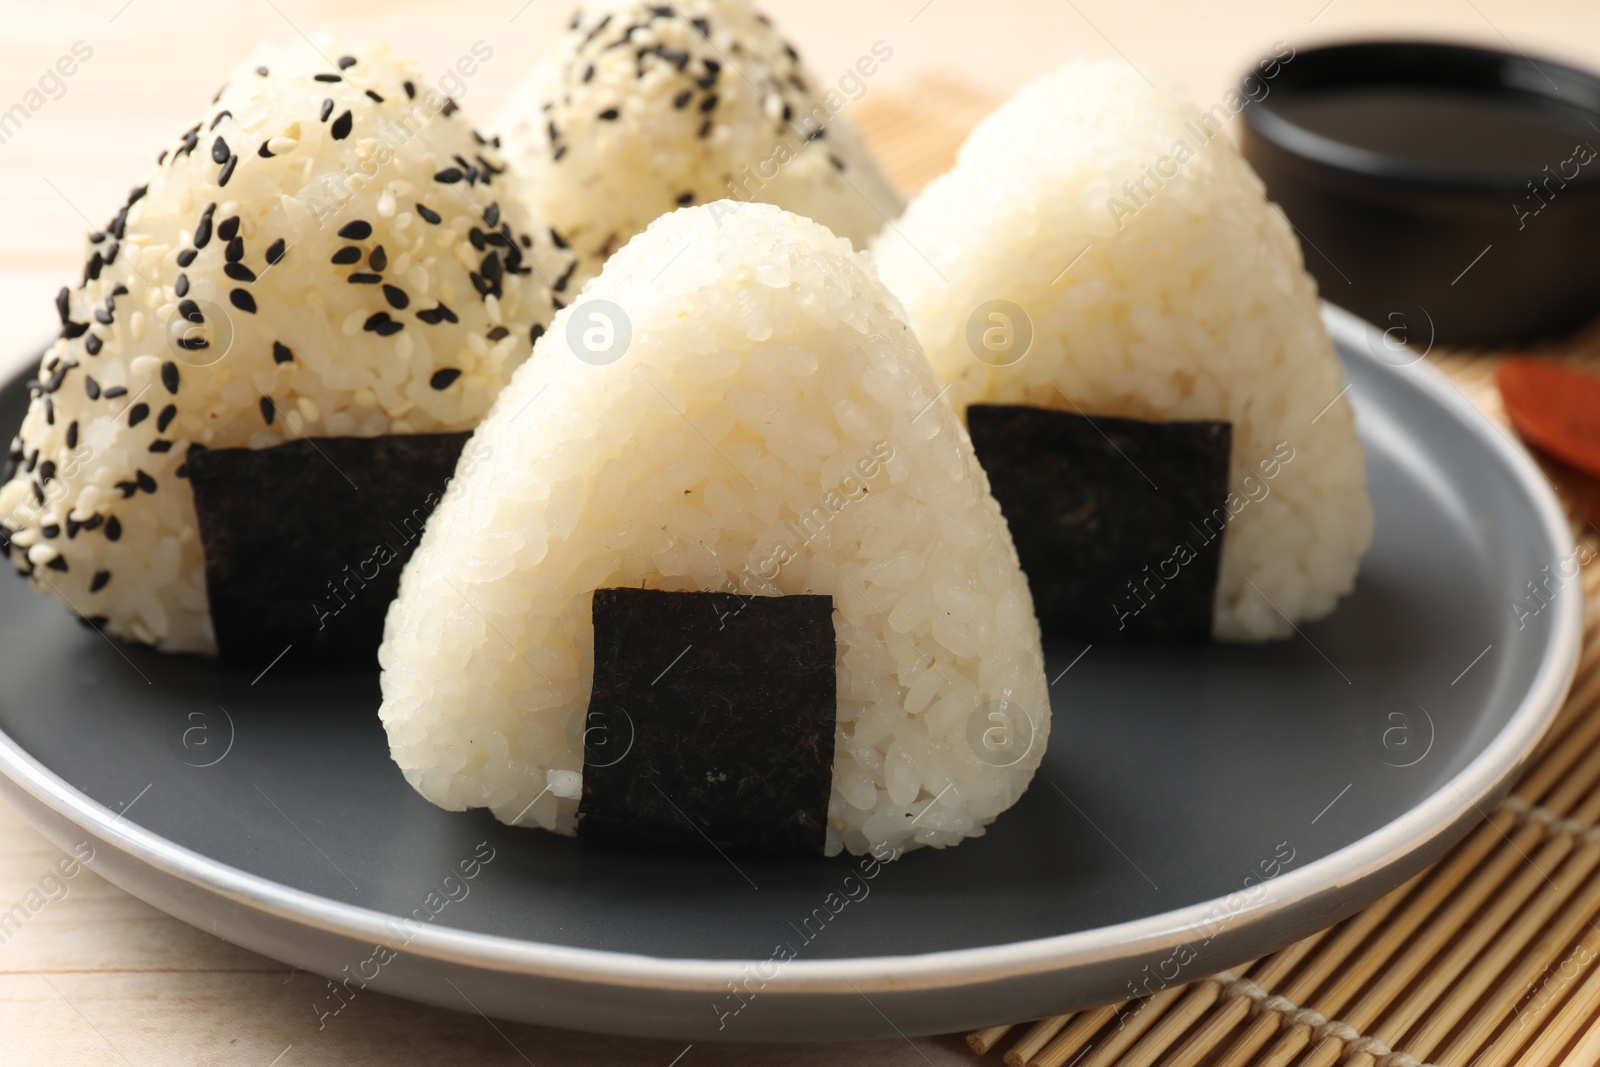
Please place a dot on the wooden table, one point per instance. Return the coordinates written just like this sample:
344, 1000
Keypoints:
97, 977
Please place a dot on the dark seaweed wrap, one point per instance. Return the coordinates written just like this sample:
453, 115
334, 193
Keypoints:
1118, 522
711, 721
304, 541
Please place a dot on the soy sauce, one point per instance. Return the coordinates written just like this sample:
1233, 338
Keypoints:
1486, 132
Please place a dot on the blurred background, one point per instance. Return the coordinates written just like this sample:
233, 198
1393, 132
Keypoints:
69, 156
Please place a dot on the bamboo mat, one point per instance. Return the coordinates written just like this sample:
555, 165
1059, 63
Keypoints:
1489, 958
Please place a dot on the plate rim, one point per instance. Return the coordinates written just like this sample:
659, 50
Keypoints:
1425, 823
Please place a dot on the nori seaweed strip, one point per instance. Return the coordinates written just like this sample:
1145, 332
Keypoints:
711, 719
1109, 555
295, 554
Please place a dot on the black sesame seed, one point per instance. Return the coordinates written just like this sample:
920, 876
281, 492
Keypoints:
498, 333
91, 270
51, 530
202, 232
342, 126
411, 90
113, 529
91, 387
347, 255
450, 107
379, 259
72, 434
838, 164
560, 284
138, 413
73, 330
555, 157
588, 72
190, 311
610, 114
239, 272
99, 581
448, 176
64, 305
47, 470
145, 482
262, 71
219, 151
705, 129
164, 419
346, 62
111, 253
181, 286
536, 333
328, 78
363, 278
227, 171
160, 446
443, 379
374, 97
275, 252
235, 250
709, 103
242, 300
169, 377
397, 297
115, 391
264, 152
38, 492
475, 235
49, 412
186, 257
59, 563
228, 228
281, 353
685, 198
327, 108
491, 217
428, 214
560, 242
358, 230
705, 27
103, 317
223, 114
268, 409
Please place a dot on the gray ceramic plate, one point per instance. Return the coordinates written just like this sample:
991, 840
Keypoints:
1199, 806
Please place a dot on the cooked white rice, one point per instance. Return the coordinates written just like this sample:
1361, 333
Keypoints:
640, 108
1180, 295
766, 363
97, 510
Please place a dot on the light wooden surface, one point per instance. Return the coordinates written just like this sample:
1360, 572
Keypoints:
97, 977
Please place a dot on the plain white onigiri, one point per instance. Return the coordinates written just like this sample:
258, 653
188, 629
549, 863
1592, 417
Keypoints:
640, 108
766, 362
308, 260
1160, 284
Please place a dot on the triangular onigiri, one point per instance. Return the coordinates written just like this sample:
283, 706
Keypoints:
1134, 244
770, 428
640, 108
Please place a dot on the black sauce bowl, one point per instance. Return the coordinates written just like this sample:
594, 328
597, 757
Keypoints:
1428, 191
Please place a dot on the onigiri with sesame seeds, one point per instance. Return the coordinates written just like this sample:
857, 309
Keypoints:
327, 255
640, 108
770, 434
1101, 252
